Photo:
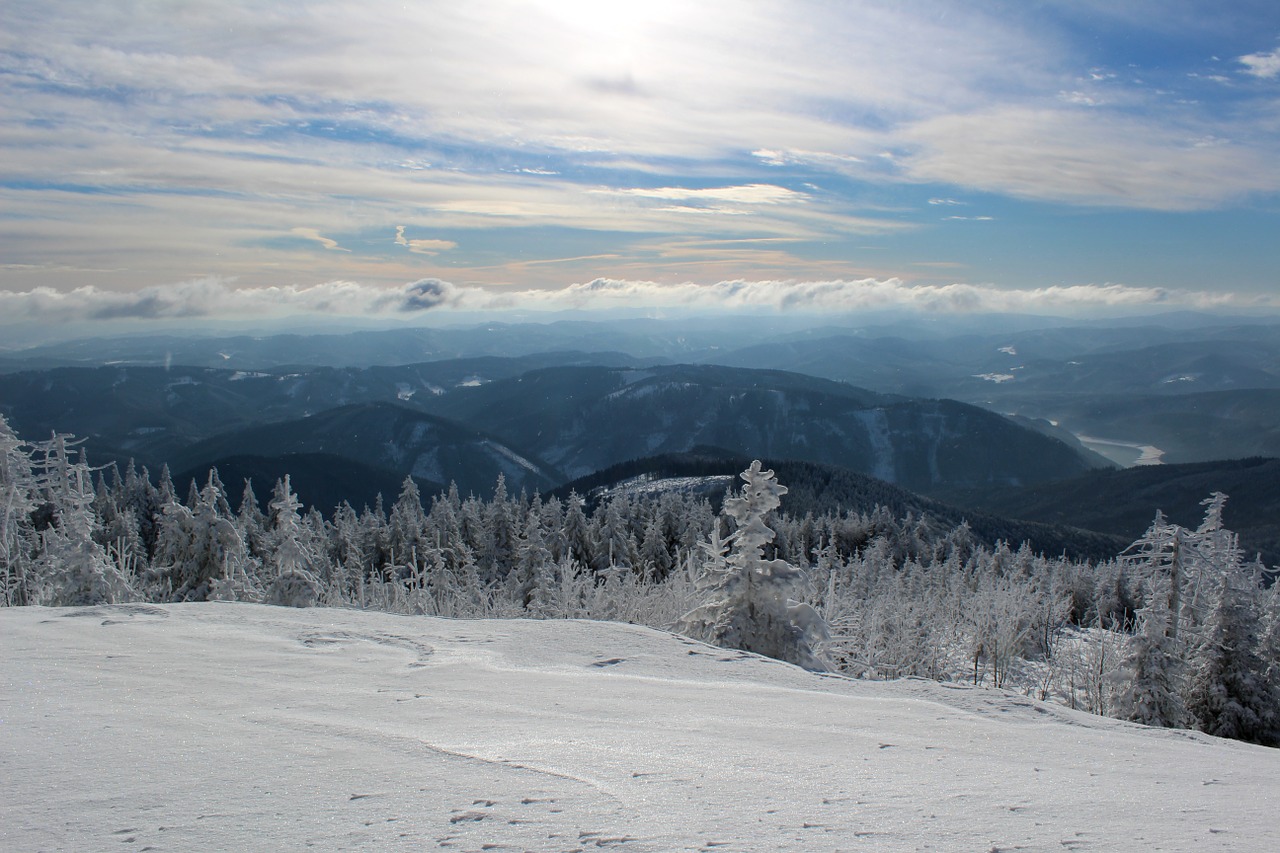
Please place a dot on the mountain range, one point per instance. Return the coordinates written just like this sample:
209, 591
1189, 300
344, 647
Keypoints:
467, 422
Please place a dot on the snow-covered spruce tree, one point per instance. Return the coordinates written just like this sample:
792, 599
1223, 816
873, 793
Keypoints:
75, 569
198, 547
293, 557
1150, 675
747, 606
1229, 695
17, 534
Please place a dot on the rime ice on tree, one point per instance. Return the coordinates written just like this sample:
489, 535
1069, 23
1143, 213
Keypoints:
747, 606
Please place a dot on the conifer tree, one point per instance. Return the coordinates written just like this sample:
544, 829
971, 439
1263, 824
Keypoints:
1229, 695
17, 500
293, 555
1151, 678
747, 606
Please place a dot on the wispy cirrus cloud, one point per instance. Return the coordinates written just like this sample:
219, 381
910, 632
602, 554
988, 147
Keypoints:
1078, 157
313, 234
181, 139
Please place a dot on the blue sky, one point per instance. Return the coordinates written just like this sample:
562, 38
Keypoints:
163, 159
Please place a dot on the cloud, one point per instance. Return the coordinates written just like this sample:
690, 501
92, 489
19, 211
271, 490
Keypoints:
749, 194
1087, 157
423, 247
313, 234
221, 126
212, 297
217, 298
1264, 65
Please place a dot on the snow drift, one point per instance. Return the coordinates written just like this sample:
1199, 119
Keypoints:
234, 726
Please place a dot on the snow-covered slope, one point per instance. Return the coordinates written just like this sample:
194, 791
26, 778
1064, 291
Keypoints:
230, 726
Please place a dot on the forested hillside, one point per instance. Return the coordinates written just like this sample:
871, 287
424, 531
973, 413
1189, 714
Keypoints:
1177, 630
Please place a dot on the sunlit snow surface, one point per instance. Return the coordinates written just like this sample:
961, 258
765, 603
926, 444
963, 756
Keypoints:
227, 726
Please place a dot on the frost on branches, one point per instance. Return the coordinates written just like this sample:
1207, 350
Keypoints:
747, 606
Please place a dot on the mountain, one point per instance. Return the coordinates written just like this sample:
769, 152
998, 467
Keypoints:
584, 419
1196, 427
391, 347
550, 423
822, 489
1123, 503
386, 436
224, 726
1139, 360
320, 480
153, 413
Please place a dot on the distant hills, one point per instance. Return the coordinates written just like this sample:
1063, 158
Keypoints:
821, 489
590, 418
985, 420
1123, 503
320, 480
1104, 379
469, 421
389, 437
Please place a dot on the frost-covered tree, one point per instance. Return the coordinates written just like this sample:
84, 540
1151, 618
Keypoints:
1229, 695
533, 576
17, 500
577, 533
748, 606
406, 527
1150, 675
654, 556
291, 563
198, 546
74, 568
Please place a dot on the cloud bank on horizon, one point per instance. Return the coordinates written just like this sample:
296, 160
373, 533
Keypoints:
215, 298
755, 152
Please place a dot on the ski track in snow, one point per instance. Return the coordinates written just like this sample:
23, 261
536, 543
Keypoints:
232, 726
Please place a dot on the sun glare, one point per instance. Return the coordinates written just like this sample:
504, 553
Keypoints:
611, 20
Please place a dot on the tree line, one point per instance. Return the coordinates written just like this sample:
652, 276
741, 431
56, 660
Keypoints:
1178, 630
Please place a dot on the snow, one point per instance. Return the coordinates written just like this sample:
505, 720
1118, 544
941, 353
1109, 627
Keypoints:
1010, 350
1127, 454
876, 423
502, 452
995, 377
234, 726
645, 485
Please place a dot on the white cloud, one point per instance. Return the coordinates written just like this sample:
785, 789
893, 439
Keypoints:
222, 125
217, 298
1087, 157
1264, 65
748, 194
212, 297
1080, 99
313, 234
423, 247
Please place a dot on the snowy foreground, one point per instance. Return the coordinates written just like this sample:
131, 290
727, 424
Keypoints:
234, 726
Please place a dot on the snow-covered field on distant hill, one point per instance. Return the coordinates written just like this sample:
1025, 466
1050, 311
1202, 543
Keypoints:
233, 727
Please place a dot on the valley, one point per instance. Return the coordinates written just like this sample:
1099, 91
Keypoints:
524, 402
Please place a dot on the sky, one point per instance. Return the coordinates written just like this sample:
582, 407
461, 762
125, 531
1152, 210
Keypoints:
185, 159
